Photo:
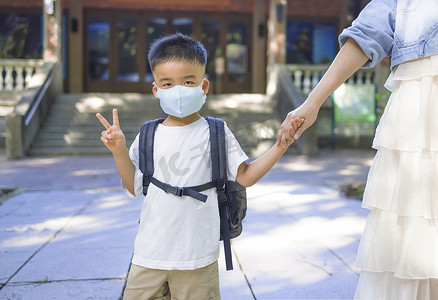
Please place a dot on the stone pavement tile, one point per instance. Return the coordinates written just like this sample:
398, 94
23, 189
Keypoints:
299, 242
10, 262
233, 285
94, 238
28, 221
95, 243
111, 220
70, 263
44, 204
303, 277
329, 168
64, 290
59, 173
99, 230
30, 240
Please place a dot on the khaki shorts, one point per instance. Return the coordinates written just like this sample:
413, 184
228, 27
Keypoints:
199, 284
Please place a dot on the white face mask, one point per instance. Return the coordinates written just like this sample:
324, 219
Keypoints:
181, 101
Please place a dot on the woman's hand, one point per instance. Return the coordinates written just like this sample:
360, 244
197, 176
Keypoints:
306, 113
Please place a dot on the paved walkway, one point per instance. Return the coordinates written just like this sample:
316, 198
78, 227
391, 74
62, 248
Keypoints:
68, 230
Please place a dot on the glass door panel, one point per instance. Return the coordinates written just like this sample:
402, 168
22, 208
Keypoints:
211, 38
237, 45
98, 48
183, 25
237, 52
127, 50
156, 28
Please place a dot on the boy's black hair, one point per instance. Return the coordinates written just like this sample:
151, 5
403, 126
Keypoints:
177, 47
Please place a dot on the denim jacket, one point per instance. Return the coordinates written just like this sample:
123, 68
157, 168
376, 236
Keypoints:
403, 29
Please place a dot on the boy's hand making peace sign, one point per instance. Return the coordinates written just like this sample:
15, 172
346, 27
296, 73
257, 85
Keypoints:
112, 137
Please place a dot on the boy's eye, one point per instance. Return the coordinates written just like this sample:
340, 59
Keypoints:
188, 82
167, 85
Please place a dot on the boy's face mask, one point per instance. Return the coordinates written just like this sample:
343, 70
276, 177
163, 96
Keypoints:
181, 101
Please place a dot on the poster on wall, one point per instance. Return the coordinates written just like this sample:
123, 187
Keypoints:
354, 103
237, 59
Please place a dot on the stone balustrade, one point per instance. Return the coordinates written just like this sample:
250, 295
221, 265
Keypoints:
306, 77
15, 74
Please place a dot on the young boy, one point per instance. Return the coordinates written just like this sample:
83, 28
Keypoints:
177, 245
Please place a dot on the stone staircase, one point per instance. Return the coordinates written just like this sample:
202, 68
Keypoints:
73, 129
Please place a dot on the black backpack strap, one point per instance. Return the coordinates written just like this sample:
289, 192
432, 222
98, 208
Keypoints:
193, 192
219, 177
146, 165
146, 151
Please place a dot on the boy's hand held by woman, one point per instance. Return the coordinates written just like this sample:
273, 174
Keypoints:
288, 129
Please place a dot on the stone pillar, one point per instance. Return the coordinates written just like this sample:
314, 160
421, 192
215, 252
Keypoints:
50, 31
58, 80
259, 37
75, 35
276, 34
14, 136
52, 41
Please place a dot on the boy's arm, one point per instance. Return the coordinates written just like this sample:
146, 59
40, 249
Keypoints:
126, 169
114, 140
249, 174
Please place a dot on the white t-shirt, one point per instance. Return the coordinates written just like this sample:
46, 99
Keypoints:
180, 233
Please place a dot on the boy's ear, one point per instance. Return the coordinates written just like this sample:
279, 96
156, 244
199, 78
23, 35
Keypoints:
206, 86
154, 91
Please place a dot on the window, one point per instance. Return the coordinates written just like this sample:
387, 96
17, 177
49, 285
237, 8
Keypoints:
98, 48
127, 50
210, 37
237, 52
156, 28
310, 43
21, 36
183, 25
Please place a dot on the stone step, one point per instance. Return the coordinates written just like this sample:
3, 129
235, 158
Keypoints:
106, 102
97, 129
95, 123
105, 97
68, 151
40, 143
73, 129
73, 136
136, 110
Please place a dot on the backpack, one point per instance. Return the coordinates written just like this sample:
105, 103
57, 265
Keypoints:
231, 195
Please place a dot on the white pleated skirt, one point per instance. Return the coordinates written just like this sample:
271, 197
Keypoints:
398, 252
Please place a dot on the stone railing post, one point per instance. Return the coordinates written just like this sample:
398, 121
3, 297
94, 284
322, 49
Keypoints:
23, 123
14, 136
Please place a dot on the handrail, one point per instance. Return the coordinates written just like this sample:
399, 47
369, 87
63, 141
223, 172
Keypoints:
29, 113
41, 95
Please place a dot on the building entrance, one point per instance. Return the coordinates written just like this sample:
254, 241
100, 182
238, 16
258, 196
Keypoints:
116, 46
